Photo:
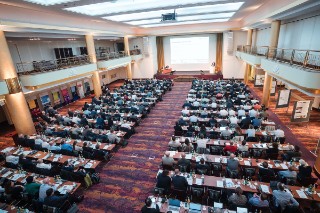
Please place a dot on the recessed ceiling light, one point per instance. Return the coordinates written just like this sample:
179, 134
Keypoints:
49, 2
185, 22
123, 6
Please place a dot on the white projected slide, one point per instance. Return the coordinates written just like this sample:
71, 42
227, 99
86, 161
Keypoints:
192, 50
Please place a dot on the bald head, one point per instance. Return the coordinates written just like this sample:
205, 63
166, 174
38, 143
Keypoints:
232, 156
167, 154
183, 155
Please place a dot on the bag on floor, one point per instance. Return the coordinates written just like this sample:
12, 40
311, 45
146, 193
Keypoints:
87, 180
95, 178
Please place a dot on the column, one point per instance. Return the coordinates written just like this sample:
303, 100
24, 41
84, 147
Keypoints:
15, 100
275, 29
93, 59
127, 52
248, 67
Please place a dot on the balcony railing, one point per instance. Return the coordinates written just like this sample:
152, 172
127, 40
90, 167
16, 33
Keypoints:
51, 65
111, 55
305, 58
135, 52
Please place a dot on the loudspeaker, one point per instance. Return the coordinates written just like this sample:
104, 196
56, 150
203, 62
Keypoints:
230, 43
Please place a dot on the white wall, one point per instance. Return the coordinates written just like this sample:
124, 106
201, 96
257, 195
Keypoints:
148, 65
303, 34
231, 66
190, 67
113, 75
44, 50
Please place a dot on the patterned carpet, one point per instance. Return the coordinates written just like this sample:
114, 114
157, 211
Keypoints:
305, 135
126, 181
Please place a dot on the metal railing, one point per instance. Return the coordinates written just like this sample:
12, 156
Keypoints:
135, 52
51, 65
305, 58
111, 55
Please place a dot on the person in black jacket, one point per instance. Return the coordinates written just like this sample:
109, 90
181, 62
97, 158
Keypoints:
245, 122
164, 181
304, 170
179, 182
99, 154
148, 209
265, 171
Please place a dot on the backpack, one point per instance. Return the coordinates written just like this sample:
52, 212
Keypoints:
95, 178
87, 180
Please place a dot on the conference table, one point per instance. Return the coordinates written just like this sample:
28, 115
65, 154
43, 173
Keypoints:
251, 145
51, 157
17, 176
297, 192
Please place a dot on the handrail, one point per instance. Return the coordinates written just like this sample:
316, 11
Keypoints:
111, 55
52, 65
305, 58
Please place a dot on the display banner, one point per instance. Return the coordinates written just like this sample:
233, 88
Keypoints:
273, 88
258, 80
283, 98
301, 111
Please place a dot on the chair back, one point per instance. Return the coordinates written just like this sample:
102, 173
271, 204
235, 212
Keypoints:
214, 195
249, 172
197, 191
245, 154
215, 150
158, 191
256, 153
49, 209
183, 168
202, 171
290, 181
179, 194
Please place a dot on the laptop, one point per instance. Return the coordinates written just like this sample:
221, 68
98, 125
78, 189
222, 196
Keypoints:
194, 208
174, 205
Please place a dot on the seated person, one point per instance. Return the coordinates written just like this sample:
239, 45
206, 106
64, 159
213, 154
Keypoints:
223, 113
31, 187
193, 119
75, 147
66, 146
202, 165
230, 148
202, 142
256, 122
67, 166
185, 111
42, 165
43, 188
12, 159
53, 146
243, 147
244, 124
164, 181
179, 182
259, 201
251, 132
173, 142
187, 146
283, 198
278, 133
99, 154
148, 209
13, 190
290, 173
274, 149
113, 138
226, 133
237, 198
292, 154
304, 170
265, 171
167, 160
183, 161
232, 163
177, 128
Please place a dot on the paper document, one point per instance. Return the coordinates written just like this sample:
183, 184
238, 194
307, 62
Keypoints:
190, 181
218, 205
88, 165
217, 160
188, 156
265, 188
172, 153
199, 181
242, 210
247, 163
301, 194
7, 174
220, 183
284, 166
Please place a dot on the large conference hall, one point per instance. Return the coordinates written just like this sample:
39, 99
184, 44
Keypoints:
172, 106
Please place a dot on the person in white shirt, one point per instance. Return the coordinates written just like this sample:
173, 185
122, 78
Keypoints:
279, 133
226, 132
53, 147
126, 125
223, 113
193, 119
202, 143
38, 140
185, 111
233, 119
247, 106
251, 131
190, 99
196, 104
232, 112
253, 113
12, 159
43, 189
241, 112
213, 105
134, 97
173, 142
45, 145
76, 119
42, 165
242, 96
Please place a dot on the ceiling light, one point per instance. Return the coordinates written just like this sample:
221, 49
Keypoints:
122, 6
217, 9
206, 16
185, 22
49, 2
147, 21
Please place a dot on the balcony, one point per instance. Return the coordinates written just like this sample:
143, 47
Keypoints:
113, 60
252, 55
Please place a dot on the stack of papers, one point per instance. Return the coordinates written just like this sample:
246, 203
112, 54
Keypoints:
8, 149
301, 194
65, 189
88, 165
229, 183
284, 166
217, 160
216, 143
45, 157
7, 174
242, 210
172, 153
106, 146
247, 163
218, 205
199, 181
25, 153
190, 181
17, 176
188, 156
220, 183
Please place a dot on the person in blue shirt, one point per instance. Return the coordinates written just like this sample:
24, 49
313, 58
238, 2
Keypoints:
99, 122
256, 122
66, 146
259, 201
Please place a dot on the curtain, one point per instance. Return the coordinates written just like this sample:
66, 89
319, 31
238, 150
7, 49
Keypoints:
160, 53
219, 52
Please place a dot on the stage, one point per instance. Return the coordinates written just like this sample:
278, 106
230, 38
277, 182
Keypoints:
187, 76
